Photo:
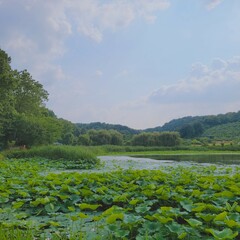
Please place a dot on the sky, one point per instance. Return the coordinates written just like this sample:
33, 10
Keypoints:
139, 63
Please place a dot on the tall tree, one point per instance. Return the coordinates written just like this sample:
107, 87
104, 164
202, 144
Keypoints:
7, 99
29, 94
23, 116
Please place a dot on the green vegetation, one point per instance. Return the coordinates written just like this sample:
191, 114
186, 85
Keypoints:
229, 131
72, 157
24, 120
192, 127
16, 234
101, 137
106, 126
165, 139
206, 121
176, 150
172, 203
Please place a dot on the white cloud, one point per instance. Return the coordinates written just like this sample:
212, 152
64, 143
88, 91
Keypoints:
209, 89
99, 73
94, 17
218, 82
211, 4
37, 30
35, 34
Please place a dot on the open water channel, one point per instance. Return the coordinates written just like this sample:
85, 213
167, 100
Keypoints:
152, 162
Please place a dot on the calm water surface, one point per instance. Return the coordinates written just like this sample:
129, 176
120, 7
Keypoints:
159, 161
203, 158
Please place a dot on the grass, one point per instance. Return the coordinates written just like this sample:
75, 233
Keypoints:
78, 157
133, 150
16, 234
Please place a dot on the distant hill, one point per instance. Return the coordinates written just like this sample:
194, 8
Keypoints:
173, 125
206, 121
228, 131
98, 126
188, 127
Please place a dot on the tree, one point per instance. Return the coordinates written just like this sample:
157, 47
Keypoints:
116, 137
32, 130
7, 100
187, 131
84, 139
68, 139
23, 116
156, 139
142, 139
191, 130
29, 94
67, 136
99, 137
168, 139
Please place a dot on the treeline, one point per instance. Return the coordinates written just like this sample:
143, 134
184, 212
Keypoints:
228, 131
106, 126
192, 127
167, 139
200, 125
113, 137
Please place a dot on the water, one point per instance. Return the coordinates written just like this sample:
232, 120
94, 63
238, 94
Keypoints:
199, 158
143, 162
164, 162
125, 162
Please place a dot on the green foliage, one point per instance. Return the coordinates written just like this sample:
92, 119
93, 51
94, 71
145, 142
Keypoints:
1, 157
206, 121
23, 117
191, 130
67, 132
174, 203
79, 157
7, 84
229, 131
84, 139
12, 233
105, 126
156, 139
191, 127
29, 94
33, 130
101, 137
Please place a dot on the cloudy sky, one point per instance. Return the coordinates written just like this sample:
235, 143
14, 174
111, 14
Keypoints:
138, 63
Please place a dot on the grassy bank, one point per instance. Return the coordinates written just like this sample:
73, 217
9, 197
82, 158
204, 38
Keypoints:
74, 157
133, 150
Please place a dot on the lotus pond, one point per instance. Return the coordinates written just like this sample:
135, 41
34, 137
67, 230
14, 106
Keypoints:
163, 200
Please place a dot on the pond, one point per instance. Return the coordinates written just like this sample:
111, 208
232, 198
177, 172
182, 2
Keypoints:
159, 161
197, 158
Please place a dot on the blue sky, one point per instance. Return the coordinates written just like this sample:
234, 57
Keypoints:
138, 63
